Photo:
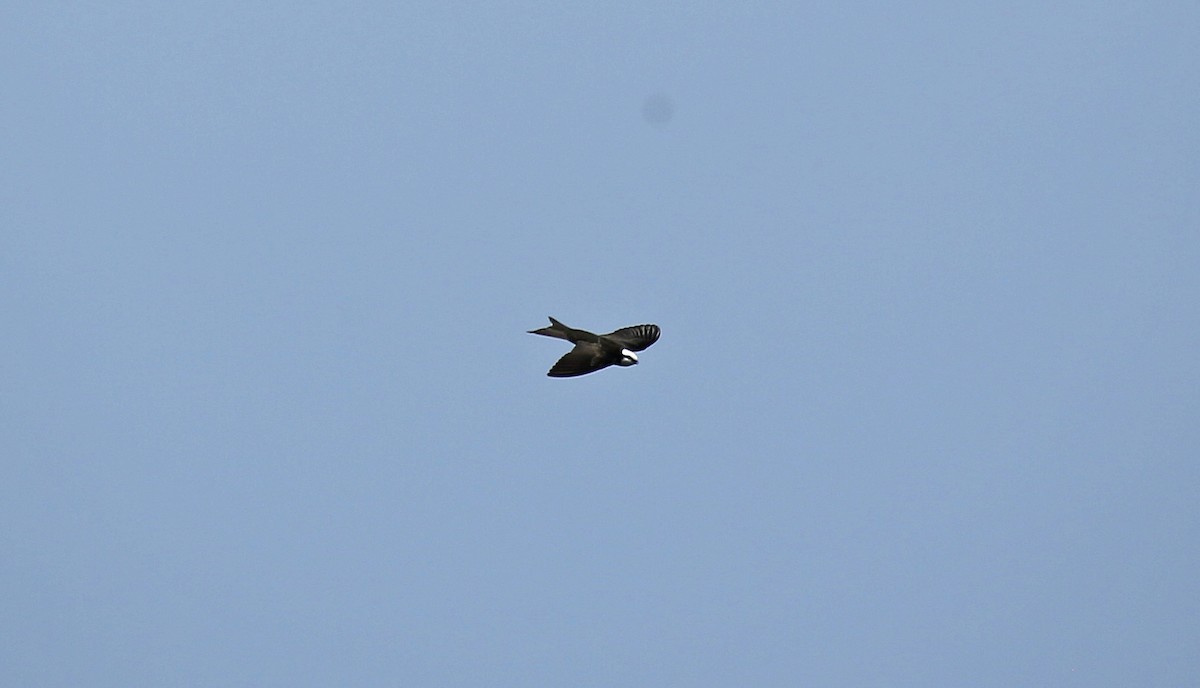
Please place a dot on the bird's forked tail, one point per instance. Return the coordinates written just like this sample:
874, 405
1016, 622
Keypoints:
556, 329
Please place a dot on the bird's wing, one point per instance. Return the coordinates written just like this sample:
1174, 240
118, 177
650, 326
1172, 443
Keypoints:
583, 359
637, 337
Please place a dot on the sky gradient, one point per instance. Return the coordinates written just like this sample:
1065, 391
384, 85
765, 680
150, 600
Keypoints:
924, 410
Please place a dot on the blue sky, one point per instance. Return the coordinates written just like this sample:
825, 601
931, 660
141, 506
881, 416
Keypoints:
924, 411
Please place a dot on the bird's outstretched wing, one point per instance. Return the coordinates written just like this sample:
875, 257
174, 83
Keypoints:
637, 337
583, 359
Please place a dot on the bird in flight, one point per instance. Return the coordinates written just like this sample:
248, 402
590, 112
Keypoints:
594, 352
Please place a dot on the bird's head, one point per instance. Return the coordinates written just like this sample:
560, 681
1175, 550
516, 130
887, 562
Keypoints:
628, 358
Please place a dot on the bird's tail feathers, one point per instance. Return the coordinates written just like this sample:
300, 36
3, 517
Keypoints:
556, 329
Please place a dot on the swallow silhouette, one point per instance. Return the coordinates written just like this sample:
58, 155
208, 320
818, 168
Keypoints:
594, 352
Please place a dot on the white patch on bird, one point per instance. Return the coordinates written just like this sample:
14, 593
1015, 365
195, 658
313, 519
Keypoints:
628, 358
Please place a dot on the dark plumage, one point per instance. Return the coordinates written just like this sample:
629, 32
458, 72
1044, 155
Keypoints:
594, 352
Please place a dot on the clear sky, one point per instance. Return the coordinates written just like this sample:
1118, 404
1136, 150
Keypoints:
925, 411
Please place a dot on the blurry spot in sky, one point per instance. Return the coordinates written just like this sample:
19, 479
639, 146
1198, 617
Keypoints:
658, 109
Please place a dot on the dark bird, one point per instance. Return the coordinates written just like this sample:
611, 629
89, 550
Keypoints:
594, 352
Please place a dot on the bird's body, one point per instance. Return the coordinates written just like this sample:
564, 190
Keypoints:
594, 352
